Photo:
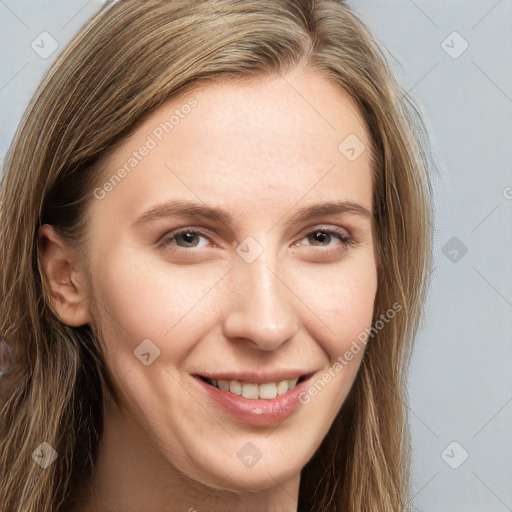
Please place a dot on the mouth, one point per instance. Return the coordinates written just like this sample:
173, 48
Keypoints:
254, 390
253, 397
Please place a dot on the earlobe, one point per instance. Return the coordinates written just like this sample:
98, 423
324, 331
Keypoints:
63, 278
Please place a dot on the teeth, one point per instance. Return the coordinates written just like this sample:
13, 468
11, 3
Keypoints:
235, 387
223, 384
250, 391
282, 387
268, 390
253, 391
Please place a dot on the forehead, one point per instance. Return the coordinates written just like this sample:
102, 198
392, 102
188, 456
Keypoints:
269, 142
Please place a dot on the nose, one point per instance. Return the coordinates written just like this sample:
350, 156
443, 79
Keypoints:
259, 313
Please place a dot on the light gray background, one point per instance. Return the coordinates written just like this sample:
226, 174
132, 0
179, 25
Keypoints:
460, 379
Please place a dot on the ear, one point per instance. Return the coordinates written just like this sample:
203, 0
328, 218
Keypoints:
60, 265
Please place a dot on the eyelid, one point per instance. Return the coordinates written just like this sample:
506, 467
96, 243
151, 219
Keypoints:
329, 228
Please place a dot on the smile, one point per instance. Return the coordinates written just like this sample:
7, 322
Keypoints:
253, 397
252, 390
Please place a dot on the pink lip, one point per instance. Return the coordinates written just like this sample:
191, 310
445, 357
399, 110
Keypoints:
259, 412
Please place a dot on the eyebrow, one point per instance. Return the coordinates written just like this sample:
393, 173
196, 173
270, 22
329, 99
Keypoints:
193, 209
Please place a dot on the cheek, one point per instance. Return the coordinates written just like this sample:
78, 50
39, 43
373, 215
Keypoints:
138, 299
342, 299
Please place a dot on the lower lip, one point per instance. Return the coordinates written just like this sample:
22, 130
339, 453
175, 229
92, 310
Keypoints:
256, 412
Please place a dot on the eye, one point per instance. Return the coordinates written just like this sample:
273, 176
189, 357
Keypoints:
323, 237
189, 238
184, 239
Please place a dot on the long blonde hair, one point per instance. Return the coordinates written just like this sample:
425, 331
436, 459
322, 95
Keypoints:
125, 62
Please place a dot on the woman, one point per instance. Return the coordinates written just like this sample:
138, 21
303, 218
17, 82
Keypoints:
214, 240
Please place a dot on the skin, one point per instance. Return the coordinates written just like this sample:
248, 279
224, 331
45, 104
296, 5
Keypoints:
261, 151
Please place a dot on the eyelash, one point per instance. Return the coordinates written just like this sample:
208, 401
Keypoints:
166, 241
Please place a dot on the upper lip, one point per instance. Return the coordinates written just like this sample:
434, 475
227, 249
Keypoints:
258, 377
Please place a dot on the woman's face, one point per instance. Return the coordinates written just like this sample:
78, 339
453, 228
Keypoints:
219, 254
